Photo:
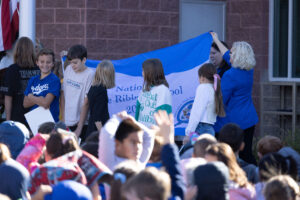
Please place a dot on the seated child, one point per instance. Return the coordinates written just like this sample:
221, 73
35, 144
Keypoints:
270, 144
150, 184
281, 187
123, 138
202, 143
212, 180
233, 135
273, 164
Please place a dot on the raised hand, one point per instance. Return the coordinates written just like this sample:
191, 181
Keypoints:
165, 126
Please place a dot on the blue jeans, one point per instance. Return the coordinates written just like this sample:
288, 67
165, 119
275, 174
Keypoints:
205, 128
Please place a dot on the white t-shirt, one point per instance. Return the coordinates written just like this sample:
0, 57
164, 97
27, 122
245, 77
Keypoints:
75, 87
204, 108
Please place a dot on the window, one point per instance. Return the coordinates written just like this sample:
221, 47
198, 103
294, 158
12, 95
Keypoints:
200, 16
284, 40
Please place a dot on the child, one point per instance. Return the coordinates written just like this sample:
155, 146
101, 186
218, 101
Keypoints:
281, 187
212, 181
77, 82
97, 99
44, 90
273, 164
14, 177
201, 145
272, 144
122, 138
208, 103
233, 135
239, 187
155, 95
149, 184
16, 78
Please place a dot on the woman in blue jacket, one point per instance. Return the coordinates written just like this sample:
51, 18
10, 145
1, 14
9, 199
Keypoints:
236, 85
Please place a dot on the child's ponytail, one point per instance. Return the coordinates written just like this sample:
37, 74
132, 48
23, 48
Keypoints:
218, 96
209, 72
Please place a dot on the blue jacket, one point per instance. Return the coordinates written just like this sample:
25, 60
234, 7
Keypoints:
171, 161
236, 85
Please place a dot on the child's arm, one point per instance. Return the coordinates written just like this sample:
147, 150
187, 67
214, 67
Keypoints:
169, 153
62, 105
32, 151
83, 115
198, 109
137, 110
41, 101
106, 150
27, 103
8, 106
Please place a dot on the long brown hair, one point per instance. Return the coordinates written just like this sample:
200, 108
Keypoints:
224, 153
59, 144
24, 54
208, 71
153, 74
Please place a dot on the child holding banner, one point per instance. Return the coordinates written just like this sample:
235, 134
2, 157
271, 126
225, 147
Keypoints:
208, 103
155, 95
44, 90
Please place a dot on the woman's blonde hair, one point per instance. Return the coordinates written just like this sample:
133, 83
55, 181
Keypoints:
224, 153
242, 56
105, 74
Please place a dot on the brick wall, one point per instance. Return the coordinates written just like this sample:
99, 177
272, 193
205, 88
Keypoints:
115, 29
248, 20
111, 29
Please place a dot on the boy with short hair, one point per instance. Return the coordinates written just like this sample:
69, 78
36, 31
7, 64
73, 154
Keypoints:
270, 144
76, 84
122, 138
44, 89
233, 135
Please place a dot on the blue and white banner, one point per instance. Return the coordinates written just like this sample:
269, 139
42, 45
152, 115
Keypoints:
181, 63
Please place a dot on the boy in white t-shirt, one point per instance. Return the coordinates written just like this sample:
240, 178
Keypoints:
76, 84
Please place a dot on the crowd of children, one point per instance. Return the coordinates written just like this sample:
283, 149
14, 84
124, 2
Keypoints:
136, 158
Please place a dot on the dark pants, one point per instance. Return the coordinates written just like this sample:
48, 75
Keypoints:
246, 154
83, 134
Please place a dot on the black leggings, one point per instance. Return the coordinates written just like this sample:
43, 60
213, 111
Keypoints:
246, 154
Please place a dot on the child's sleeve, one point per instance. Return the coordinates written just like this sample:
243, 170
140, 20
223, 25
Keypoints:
32, 152
106, 150
89, 83
198, 109
137, 110
170, 160
55, 87
148, 144
164, 101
